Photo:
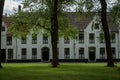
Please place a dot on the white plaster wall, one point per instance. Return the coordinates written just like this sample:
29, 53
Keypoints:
17, 46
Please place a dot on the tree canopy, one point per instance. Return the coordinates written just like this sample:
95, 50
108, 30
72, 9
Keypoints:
35, 18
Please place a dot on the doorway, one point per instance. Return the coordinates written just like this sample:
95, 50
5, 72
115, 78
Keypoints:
92, 53
3, 55
45, 54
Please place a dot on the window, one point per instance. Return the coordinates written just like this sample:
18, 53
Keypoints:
10, 53
114, 52
34, 53
23, 40
34, 38
81, 53
45, 40
9, 40
3, 28
67, 53
66, 40
24, 52
58, 52
102, 53
101, 38
96, 25
91, 38
81, 37
113, 37
58, 40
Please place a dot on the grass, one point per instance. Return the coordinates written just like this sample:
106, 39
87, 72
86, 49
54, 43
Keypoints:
72, 71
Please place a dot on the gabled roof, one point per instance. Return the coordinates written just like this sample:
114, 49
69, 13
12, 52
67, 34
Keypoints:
77, 21
84, 21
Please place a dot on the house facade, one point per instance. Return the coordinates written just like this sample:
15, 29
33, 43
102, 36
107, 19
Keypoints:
87, 46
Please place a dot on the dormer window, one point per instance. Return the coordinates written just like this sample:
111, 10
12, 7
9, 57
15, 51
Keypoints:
23, 40
45, 39
3, 28
96, 26
113, 37
66, 40
9, 40
81, 37
34, 38
91, 38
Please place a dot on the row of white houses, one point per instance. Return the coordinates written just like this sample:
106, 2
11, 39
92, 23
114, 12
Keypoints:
87, 46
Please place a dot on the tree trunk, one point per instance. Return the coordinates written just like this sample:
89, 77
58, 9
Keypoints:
1, 12
54, 33
110, 62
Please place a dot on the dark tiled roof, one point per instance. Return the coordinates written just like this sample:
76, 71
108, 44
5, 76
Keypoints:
84, 21
81, 22
113, 27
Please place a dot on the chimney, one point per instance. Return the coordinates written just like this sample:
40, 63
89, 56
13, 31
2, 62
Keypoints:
19, 8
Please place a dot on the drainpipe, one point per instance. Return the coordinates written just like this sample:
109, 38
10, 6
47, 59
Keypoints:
16, 49
19, 9
74, 44
118, 45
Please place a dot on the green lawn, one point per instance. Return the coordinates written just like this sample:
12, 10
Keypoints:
72, 71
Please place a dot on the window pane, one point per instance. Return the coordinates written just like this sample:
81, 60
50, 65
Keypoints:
24, 52
113, 37
67, 53
81, 37
58, 52
66, 40
10, 53
81, 53
102, 38
96, 25
3, 28
114, 52
9, 40
102, 53
45, 40
91, 38
34, 38
34, 53
23, 40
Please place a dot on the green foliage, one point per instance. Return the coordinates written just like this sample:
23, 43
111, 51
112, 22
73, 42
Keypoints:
65, 28
21, 24
115, 13
101, 37
36, 18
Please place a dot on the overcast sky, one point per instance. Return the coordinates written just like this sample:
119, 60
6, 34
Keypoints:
13, 4
10, 5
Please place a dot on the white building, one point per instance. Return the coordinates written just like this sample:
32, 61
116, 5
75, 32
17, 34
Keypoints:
87, 47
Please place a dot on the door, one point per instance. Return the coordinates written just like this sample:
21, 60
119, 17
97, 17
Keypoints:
3, 55
92, 53
45, 53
